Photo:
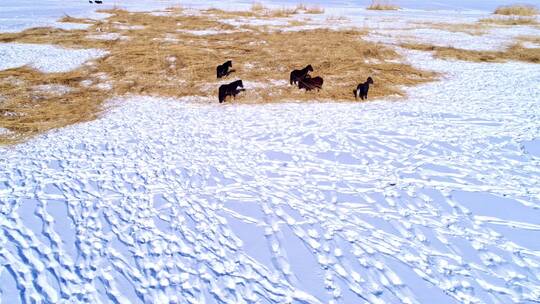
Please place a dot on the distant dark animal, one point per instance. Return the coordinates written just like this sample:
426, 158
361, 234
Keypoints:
297, 75
231, 89
309, 83
98, 1
223, 70
362, 89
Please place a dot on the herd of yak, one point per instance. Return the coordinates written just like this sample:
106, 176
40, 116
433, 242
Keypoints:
301, 78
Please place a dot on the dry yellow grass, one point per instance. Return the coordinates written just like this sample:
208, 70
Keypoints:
69, 19
515, 52
511, 20
517, 10
529, 39
257, 7
280, 12
27, 111
309, 9
297, 23
161, 58
262, 11
476, 29
381, 5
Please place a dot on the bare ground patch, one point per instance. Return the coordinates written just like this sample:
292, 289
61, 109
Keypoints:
160, 57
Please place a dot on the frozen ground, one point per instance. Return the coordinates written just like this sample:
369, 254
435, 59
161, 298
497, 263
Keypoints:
433, 199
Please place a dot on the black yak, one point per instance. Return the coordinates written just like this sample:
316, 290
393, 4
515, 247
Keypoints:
231, 89
297, 75
362, 89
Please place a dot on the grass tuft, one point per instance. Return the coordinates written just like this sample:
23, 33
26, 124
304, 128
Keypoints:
382, 5
309, 9
257, 7
262, 11
70, 19
517, 10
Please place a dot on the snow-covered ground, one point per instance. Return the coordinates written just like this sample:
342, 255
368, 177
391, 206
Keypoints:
431, 199
16, 15
46, 58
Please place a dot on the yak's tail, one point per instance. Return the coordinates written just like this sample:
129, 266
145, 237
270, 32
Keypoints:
355, 92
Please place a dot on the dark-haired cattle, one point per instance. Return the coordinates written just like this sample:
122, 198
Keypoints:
231, 89
363, 89
223, 70
309, 83
298, 75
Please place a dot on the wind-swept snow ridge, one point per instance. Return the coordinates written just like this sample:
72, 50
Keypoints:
46, 58
430, 200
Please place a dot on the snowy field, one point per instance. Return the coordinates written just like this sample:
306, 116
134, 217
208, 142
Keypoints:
430, 199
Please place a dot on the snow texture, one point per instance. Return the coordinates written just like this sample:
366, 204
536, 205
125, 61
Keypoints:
4, 131
108, 36
53, 89
208, 32
17, 15
46, 58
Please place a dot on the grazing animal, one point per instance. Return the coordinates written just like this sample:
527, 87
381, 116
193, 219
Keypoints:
362, 89
98, 1
231, 89
309, 83
223, 70
298, 75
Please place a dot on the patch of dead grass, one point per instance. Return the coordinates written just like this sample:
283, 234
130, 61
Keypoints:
184, 65
515, 52
257, 7
517, 10
262, 11
382, 5
33, 111
475, 29
529, 39
297, 22
70, 19
512, 20
301, 7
